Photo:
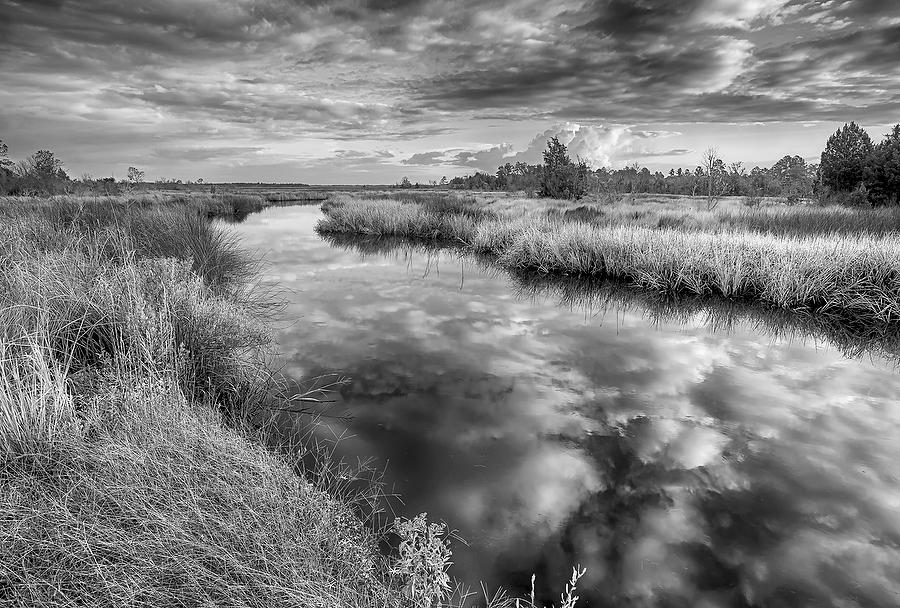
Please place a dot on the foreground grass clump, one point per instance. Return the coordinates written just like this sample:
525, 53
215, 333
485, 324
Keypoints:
147, 500
856, 276
132, 360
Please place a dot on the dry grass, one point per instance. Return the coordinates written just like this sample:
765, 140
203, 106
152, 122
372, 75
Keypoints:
130, 364
133, 375
225, 205
856, 276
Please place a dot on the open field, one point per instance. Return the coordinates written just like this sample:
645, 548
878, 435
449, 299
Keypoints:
832, 261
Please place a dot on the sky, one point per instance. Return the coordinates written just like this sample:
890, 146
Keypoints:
369, 91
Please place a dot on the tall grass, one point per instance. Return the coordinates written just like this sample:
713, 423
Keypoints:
130, 365
855, 276
225, 205
779, 220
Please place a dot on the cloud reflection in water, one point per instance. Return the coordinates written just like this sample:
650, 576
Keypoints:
681, 465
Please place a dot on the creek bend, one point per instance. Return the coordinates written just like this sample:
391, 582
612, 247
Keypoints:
680, 463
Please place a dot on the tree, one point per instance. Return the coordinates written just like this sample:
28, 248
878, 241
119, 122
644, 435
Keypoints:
884, 170
845, 158
405, 183
5, 162
792, 175
47, 166
560, 177
135, 175
714, 171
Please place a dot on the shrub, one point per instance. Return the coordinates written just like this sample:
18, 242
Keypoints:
423, 561
752, 199
859, 197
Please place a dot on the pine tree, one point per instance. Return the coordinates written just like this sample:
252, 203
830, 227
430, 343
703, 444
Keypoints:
5, 162
884, 171
560, 177
846, 156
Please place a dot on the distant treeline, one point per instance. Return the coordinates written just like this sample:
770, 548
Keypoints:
852, 171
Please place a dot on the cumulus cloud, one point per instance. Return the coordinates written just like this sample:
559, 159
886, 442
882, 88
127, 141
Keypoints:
598, 146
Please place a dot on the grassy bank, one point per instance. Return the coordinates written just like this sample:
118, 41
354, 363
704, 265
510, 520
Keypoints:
224, 205
848, 273
597, 297
131, 358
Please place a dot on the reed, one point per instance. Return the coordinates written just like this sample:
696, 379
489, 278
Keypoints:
853, 275
131, 366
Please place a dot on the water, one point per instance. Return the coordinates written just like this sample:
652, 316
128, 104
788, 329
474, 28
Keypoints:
682, 465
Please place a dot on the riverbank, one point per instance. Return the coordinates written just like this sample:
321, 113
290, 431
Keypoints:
849, 273
133, 355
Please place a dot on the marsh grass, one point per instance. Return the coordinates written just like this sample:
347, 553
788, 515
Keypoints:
142, 460
853, 276
598, 297
132, 364
155, 502
233, 206
779, 220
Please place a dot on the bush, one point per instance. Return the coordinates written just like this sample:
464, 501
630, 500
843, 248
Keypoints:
753, 199
859, 197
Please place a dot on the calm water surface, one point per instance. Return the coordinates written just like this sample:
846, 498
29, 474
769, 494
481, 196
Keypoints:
680, 465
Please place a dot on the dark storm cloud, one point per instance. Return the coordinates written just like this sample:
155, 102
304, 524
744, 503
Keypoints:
659, 60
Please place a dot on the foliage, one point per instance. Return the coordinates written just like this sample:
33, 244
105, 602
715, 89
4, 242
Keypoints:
859, 197
845, 158
5, 162
560, 177
884, 173
423, 560
793, 177
728, 180
135, 175
40, 173
47, 165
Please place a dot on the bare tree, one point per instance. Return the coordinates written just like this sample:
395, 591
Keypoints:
710, 164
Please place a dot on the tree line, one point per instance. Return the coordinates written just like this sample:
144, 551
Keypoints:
43, 173
853, 171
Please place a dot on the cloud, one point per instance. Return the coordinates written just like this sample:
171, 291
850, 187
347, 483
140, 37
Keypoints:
599, 146
207, 153
245, 73
425, 158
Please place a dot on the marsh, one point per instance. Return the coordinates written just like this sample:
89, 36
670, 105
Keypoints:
685, 458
